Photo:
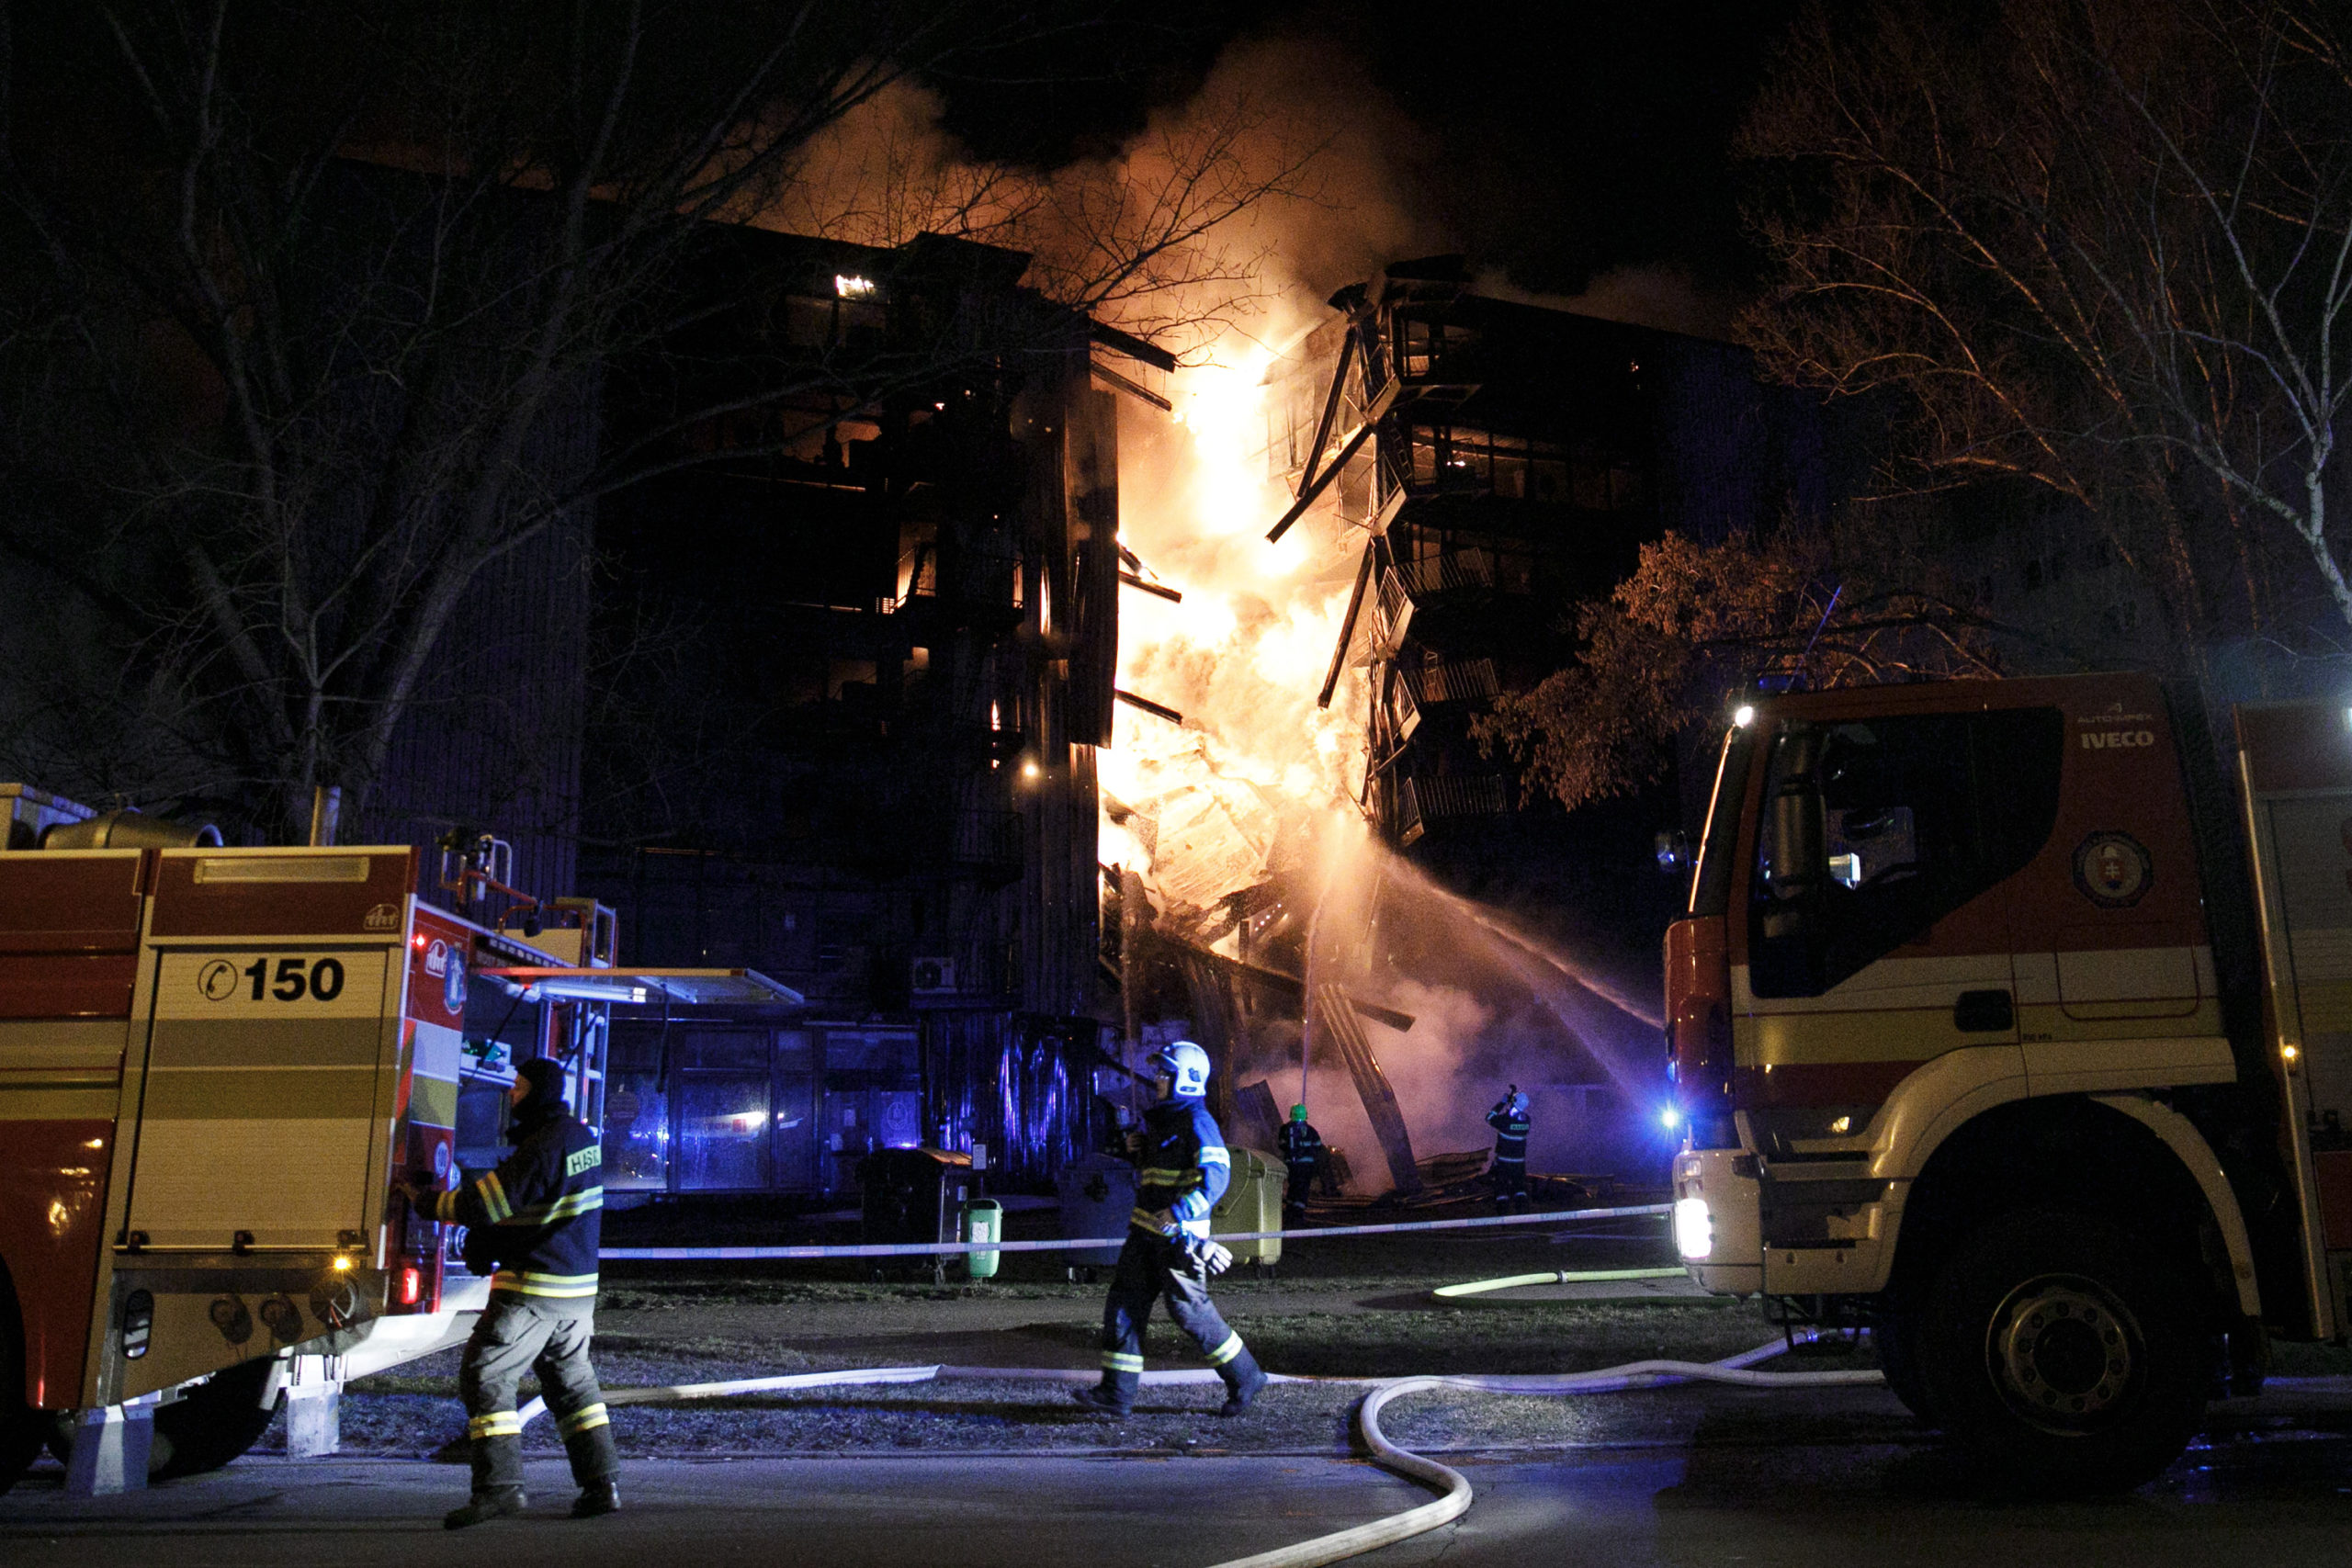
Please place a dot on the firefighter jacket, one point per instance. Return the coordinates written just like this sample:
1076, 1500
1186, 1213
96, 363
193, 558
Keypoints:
543, 1207
1182, 1166
1302, 1148
1511, 1133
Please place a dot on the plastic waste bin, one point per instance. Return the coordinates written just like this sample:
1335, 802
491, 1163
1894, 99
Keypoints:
912, 1197
983, 1221
1097, 1195
1252, 1203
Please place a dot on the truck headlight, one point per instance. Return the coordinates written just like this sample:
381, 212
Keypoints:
1694, 1228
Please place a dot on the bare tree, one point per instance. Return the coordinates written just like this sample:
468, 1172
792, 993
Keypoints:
309, 306
1697, 618
2104, 249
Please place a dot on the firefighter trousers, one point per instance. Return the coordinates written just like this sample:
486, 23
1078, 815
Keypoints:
517, 1333
1301, 1182
1151, 1267
1509, 1177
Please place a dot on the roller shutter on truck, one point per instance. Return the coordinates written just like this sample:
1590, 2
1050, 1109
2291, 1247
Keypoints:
263, 1079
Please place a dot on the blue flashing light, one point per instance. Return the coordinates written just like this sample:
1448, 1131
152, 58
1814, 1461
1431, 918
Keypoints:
1669, 1117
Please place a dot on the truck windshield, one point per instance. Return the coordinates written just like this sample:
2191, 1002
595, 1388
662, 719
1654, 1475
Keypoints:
1711, 877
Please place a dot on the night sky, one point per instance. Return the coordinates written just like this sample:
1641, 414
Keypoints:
1565, 141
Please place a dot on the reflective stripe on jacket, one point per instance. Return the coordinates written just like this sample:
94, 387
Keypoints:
1511, 1134
543, 1206
1182, 1167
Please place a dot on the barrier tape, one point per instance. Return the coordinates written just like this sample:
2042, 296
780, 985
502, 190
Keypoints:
1091, 1244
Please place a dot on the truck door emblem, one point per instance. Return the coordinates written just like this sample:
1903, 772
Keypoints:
218, 980
2113, 870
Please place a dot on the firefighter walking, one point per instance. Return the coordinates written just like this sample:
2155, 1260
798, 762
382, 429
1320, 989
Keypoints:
539, 1215
1303, 1155
1183, 1169
1509, 1121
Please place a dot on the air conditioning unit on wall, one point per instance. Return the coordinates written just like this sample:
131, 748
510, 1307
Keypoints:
931, 977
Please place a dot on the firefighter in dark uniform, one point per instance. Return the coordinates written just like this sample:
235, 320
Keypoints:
1303, 1152
1508, 1118
539, 1215
1183, 1169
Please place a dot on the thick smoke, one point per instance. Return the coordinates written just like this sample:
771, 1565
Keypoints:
1258, 782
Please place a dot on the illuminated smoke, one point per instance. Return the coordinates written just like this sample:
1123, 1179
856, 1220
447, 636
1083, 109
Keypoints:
1259, 782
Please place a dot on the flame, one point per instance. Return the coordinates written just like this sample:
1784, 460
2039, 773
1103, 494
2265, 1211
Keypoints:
1245, 653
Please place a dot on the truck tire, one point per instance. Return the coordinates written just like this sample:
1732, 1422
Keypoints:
2059, 1357
218, 1421
1896, 1336
20, 1426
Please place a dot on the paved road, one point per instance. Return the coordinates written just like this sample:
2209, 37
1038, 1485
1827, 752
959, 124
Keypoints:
1689, 1476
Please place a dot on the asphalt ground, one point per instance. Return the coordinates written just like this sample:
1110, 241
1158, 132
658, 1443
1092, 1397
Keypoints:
1678, 1476
980, 1470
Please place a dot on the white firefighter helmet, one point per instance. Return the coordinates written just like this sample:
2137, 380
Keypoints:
1518, 1103
1187, 1066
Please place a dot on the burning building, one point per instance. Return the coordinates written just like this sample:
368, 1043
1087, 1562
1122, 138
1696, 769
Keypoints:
1320, 870
875, 636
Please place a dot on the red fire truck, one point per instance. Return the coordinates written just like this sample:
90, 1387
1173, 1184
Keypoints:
2007, 1022
213, 1064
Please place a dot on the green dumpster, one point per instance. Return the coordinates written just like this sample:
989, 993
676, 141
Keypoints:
1253, 1202
983, 1221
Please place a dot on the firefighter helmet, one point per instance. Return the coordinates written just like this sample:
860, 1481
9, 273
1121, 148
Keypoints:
1187, 1066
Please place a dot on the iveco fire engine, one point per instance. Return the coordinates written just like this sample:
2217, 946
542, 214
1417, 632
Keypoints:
2007, 1023
214, 1063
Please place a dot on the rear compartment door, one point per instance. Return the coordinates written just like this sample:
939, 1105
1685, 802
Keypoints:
269, 1068
2295, 763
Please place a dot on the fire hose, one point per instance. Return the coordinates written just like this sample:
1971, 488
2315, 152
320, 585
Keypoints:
1453, 1489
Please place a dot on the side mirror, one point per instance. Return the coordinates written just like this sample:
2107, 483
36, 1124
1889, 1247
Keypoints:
1673, 853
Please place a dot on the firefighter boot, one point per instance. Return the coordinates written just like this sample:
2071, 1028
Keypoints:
597, 1468
498, 1483
1243, 1383
1101, 1399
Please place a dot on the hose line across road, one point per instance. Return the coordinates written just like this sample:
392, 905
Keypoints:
1455, 1494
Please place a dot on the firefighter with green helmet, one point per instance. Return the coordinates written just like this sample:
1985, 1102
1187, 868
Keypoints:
1183, 1169
1303, 1153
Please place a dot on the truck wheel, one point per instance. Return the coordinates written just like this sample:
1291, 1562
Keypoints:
20, 1426
218, 1421
2061, 1357
1896, 1336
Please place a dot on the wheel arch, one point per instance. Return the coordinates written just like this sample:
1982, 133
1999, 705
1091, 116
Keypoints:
2106, 1153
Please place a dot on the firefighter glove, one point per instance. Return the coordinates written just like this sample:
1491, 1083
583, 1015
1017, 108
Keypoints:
1215, 1258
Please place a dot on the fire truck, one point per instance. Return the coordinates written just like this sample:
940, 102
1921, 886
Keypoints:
214, 1064
2013, 1019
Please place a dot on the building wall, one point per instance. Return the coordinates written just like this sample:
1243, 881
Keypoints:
861, 762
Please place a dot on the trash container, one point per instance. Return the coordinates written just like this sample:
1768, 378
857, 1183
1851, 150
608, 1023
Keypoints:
983, 1221
1252, 1203
1098, 1194
912, 1197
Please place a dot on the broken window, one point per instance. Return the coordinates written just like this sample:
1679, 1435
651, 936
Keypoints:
1416, 348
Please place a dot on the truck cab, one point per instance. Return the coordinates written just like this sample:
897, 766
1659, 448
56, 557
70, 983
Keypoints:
1989, 1020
